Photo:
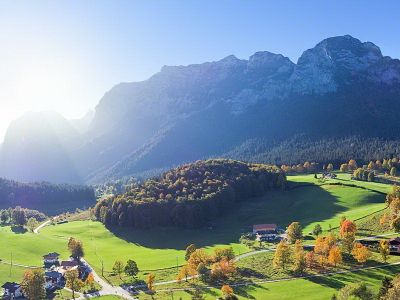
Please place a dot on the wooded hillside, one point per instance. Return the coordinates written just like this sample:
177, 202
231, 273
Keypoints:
45, 197
190, 195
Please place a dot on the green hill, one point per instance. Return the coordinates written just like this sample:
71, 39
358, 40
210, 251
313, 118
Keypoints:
191, 195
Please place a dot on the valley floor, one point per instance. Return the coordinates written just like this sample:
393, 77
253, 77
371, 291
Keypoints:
161, 250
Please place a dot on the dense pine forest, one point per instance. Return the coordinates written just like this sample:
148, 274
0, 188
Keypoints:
189, 196
304, 148
45, 197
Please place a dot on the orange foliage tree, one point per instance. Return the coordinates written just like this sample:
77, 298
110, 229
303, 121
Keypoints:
360, 253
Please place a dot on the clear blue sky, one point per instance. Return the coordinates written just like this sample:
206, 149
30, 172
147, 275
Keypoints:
64, 55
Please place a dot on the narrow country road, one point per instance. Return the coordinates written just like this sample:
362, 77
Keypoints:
107, 289
36, 230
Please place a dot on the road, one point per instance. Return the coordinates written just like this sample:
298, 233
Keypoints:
36, 230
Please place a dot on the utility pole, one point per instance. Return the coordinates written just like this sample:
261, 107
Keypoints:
11, 263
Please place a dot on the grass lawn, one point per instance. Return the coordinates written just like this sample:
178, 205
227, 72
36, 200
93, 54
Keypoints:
16, 273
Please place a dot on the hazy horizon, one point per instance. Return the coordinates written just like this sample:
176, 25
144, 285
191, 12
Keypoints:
64, 56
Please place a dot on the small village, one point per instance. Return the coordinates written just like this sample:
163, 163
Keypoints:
54, 272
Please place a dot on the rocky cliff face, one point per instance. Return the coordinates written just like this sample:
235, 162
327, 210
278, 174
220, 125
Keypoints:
341, 86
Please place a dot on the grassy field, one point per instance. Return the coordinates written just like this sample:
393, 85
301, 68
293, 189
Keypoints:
164, 247
318, 288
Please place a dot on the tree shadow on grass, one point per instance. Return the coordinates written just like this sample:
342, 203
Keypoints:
307, 205
247, 272
18, 229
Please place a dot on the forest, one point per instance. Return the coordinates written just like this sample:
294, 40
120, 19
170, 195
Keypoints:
45, 197
304, 148
189, 196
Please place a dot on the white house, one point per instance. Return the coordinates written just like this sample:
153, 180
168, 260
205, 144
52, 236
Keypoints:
12, 290
51, 258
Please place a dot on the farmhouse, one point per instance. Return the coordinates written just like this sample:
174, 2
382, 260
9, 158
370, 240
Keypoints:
69, 264
51, 258
266, 232
53, 279
12, 290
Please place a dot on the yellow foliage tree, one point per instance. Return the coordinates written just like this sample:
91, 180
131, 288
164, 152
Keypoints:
384, 249
150, 281
335, 256
186, 271
282, 255
360, 253
197, 257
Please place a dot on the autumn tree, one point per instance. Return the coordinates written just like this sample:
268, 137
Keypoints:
150, 281
186, 271
118, 268
323, 246
282, 255
75, 247
299, 264
360, 253
329, 168
131, 268
371, 165
197, 257
310, 260
189, 250
33, 284
348, 231
226, 290
294, 232
352, 164
317, 230
344, 168
72, 281
384, 249
90, 281
335, 256
223, 269
220, 253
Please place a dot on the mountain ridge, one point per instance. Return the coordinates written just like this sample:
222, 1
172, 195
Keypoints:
185, 113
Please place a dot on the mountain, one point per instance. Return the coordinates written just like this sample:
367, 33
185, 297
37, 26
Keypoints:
340, 88
37, 147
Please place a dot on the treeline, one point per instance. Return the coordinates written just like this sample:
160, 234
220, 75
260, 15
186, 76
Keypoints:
303, 148
189, 196
45, 197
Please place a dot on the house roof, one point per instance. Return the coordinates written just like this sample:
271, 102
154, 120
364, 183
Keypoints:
53, 274
395, 241
262, 227
11, 286
51, 255
69, 263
